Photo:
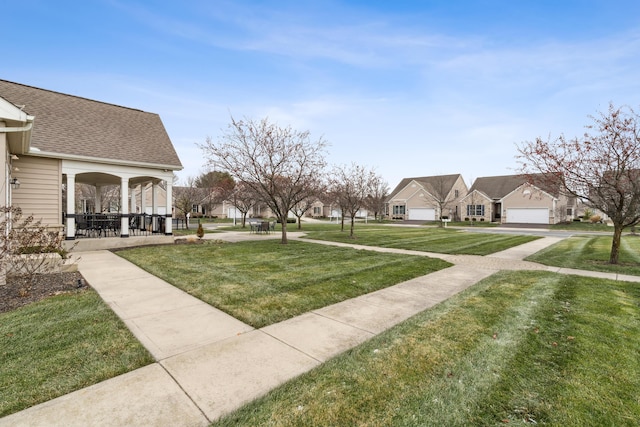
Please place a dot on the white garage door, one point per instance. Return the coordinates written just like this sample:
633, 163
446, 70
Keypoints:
422, 214
528, 215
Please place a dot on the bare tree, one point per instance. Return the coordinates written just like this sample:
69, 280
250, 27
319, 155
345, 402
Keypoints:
333, 197
602, 167
187, 196
352, 185
442, 193
376, 200
27, 247
217, 187
244, 198
301, 207
280, 164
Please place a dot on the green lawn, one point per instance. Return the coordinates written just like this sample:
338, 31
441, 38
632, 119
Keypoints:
517, 348
428, 239
61, 344
265, 282
582, 226
592, 253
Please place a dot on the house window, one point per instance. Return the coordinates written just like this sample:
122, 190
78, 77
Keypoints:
194, 208
317, 210
475, 210
457, 193
569, 211
399, 209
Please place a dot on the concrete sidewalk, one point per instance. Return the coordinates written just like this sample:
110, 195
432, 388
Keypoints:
209, 364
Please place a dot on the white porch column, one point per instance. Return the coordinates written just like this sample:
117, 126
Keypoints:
143, 198
98, 200
168, 230
71, 207
154, 206
124, 207
143, 205
132, 209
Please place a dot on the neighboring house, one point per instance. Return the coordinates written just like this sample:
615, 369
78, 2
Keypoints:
52, 141
321, 210
514, 199
427, 198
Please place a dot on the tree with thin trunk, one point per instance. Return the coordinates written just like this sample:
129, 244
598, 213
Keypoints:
352, 184
280, 164
442, 194
301, 207
187, 196
376, 200
602, 167
244, 198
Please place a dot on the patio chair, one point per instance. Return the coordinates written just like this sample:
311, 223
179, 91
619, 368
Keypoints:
264, 227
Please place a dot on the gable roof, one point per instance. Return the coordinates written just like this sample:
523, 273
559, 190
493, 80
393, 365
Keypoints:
67, 126
496, 187
430, 183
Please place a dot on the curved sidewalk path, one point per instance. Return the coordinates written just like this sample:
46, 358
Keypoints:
209, 364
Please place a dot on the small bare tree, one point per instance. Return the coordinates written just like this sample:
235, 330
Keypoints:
27, 247
442, 193
187, 196
352, 185
244, 198
376, 201
301, 207
279, 164
602, 167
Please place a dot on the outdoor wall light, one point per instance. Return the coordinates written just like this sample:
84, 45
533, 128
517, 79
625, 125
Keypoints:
15, 184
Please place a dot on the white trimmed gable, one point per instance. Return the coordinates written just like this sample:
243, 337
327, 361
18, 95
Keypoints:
527, 189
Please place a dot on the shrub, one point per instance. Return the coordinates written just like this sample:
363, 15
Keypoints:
595, 218
26, 246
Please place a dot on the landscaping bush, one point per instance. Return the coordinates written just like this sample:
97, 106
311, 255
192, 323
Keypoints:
27, 246
595, 218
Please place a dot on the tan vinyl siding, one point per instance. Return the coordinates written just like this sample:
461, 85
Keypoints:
40, 189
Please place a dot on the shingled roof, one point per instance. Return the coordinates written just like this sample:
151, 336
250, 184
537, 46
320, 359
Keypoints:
67, 126
496, 187
430, 183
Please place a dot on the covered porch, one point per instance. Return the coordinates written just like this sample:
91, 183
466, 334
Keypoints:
143, 206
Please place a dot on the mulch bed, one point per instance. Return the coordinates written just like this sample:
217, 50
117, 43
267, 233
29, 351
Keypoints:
21, 290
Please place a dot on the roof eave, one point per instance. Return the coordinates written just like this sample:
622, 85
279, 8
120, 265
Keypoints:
39, 153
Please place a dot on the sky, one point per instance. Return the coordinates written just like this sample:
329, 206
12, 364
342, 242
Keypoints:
406, 88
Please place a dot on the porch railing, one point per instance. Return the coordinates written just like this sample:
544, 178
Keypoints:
109, 225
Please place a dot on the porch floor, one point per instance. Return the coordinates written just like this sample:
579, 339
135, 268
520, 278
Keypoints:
86, 245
